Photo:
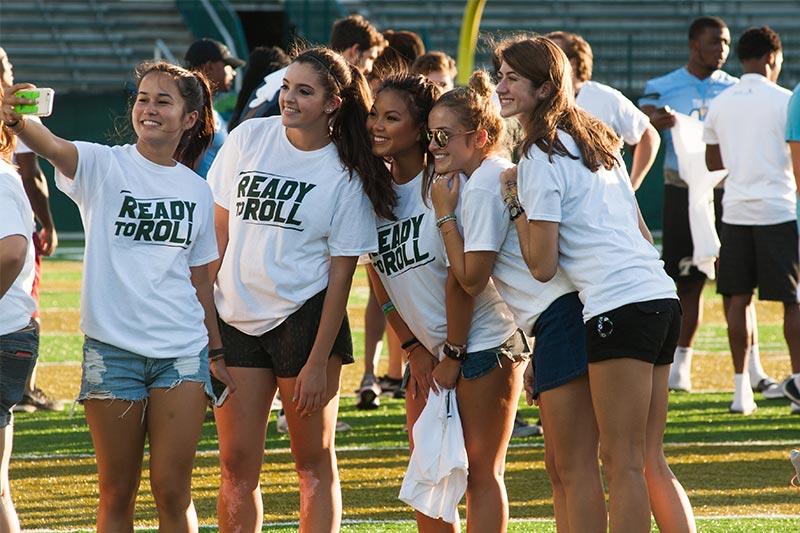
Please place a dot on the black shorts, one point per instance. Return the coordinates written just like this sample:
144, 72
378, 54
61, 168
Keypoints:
676, 238
759, 256
647, 331
285, 349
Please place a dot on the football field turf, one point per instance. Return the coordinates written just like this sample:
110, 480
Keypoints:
735, 468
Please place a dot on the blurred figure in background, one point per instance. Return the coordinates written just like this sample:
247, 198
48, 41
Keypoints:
263, 61
213, 59
437, 67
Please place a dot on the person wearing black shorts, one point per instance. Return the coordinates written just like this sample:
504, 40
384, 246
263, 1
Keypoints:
744, 132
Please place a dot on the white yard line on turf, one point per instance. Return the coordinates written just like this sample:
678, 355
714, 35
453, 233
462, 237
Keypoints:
352, 449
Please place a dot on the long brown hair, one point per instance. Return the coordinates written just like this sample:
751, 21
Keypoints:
7, 140
419, 95
541, 61
348, 125
196, 93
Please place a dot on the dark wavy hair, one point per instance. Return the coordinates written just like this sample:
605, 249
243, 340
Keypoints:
420, 95
196, 93
348, 125
541, 61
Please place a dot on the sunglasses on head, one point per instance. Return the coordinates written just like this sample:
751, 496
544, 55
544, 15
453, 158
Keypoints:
441, 137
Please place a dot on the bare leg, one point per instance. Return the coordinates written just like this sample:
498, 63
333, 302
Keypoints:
9, 522
174, 422
242, 429
671, 507
312, 442
374, 326
690, 294
791, 331
740, 328
118, 436
622, 413
571, 440
395, 354
487, 429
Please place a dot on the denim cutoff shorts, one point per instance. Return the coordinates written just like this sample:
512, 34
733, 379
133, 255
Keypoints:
18, 353
515, 349
559, 350
111, 373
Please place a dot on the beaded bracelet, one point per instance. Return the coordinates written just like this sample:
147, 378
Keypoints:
446, 218
387, 308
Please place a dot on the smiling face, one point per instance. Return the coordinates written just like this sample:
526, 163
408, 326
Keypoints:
516, 93
303, 99
159, 112
460, 151
391, 126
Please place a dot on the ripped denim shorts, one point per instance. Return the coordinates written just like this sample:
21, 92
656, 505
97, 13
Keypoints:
111, 373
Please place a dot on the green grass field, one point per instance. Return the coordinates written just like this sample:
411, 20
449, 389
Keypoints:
735, 468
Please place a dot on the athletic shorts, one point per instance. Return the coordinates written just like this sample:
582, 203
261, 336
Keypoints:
559, 351
285, 348
677, 248
111, 373
18, 353
759, 256
647, 331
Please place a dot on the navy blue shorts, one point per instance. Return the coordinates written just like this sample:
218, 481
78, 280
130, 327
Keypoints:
559, 350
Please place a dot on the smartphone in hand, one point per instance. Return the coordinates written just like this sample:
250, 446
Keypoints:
220, 391
43, 106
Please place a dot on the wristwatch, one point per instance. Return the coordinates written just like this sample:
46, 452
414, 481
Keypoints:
454, 351
515, 209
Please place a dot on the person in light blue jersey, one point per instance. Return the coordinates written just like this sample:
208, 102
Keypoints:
689, 90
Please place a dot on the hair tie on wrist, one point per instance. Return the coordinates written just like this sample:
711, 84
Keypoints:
387, 308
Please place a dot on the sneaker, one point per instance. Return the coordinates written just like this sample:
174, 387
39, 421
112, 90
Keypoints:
281, 424
769, 388
795, 409
342, 426
23, 408
523, 429
369, 394
790, 391
794, 457
680, 378
389, 385
39, 400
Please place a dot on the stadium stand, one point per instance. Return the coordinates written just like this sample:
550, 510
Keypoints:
633, 41
87, 45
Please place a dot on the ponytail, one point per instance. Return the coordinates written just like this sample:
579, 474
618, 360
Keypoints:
348, 126
196, 92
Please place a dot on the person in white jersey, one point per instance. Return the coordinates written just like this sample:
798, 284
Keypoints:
296, 197
744, 133
467, 134
452, 338
583, 218
19, 333
609, 105
146, 300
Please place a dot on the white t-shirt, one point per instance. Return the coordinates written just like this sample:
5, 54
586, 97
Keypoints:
412, 264
16, 305
748, 122
487, 228
145, 224
290, 212
600, 246
611, 106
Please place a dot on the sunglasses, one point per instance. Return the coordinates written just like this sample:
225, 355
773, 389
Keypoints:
441, 137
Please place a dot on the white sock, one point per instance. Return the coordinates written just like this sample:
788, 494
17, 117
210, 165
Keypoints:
754, 366
683, 356
742, 393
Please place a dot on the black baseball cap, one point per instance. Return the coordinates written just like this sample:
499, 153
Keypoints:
205, 50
